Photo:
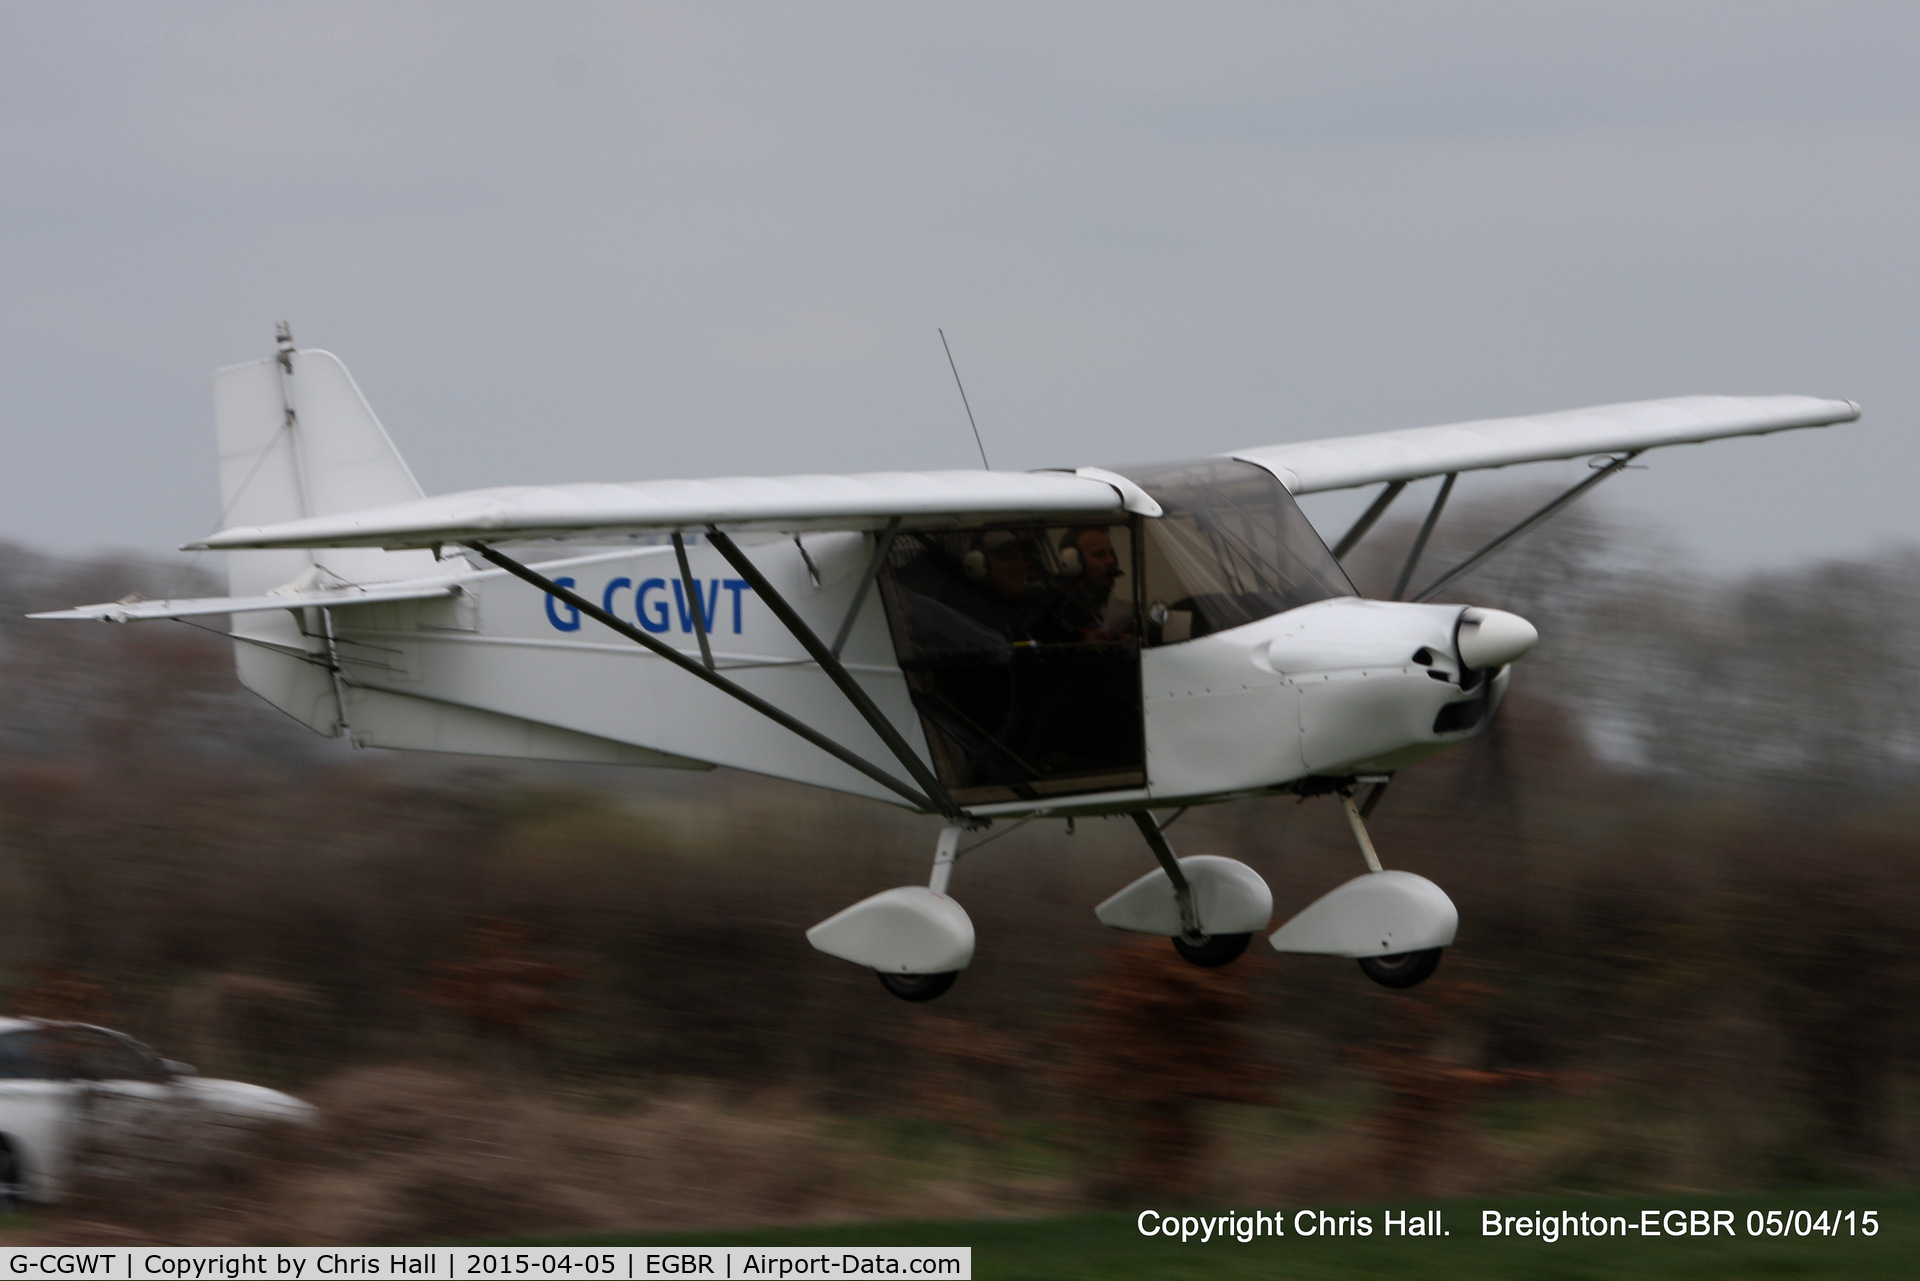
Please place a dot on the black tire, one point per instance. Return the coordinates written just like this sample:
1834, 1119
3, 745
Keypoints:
917, 987
13, 1189
1402, 969
1215, 950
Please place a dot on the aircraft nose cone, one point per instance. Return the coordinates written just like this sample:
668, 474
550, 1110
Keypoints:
1489, 638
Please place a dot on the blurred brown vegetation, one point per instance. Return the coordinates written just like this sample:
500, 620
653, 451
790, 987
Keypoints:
408, 1154
533, 998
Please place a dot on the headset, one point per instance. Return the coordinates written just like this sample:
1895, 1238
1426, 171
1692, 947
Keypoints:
1069, 551
974, 563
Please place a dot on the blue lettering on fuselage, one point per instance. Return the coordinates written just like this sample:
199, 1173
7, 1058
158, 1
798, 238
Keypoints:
650, 607
571, 623
705, 607
653, 613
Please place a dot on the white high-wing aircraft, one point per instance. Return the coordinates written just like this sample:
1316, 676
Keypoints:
983, 646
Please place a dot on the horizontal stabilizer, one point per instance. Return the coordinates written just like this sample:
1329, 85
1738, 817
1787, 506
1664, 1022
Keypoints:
140, 611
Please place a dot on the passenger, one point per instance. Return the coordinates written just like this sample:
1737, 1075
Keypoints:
978, 601
1009, 600
1087, 608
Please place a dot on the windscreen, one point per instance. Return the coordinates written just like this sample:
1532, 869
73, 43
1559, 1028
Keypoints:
1231, 547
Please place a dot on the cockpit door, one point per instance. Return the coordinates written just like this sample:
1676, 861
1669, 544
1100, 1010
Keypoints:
1021, 648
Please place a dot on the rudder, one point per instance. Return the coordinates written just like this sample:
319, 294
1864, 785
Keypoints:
296, 438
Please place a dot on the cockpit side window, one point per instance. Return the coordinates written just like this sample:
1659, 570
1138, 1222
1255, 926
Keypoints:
1231, 547
1021, 648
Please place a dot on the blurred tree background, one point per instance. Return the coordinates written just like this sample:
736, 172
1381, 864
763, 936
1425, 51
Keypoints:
1684, 857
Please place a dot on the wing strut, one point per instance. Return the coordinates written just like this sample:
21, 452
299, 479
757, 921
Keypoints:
944, 805
698, 606
1474, 561
835, 672
1367, 519
881, 546
1426, 532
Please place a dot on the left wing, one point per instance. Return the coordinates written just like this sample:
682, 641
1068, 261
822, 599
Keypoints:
781, 503
1344, 462
948, 498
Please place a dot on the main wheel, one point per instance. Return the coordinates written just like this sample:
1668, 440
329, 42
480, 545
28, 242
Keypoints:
1214, 950
1402, 969
917, 987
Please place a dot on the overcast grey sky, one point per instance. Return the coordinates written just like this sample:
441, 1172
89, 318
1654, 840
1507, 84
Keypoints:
620, 241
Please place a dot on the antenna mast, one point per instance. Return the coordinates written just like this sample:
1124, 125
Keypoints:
963, 400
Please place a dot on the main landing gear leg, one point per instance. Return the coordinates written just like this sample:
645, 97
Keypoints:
1399, 969
913, 937
1359, 826
925, 987
945, 854
1193, 943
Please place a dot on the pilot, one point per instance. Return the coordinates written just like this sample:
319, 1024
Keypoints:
1086, 605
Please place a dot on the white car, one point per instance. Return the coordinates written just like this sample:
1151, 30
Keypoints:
70, 1087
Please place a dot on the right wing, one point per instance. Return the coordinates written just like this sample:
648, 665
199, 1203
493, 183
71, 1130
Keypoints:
1345, 462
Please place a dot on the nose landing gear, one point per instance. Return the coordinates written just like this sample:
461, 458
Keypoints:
1397, 969
1395, 924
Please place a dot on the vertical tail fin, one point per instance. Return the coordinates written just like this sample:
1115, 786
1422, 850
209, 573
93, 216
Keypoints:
296, 438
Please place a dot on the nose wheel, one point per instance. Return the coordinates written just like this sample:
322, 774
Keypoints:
1398, 969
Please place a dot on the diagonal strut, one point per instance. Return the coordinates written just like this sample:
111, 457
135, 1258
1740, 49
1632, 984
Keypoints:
836, 672
1486, 553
